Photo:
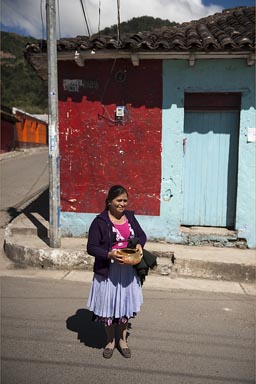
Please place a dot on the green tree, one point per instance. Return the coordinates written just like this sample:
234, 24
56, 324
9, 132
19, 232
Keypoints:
138, 24
20, 85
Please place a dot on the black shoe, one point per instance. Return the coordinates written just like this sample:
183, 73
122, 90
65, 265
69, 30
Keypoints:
108, 352
126, 352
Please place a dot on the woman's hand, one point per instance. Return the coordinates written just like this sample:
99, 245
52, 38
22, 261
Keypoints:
139, 247
116, 256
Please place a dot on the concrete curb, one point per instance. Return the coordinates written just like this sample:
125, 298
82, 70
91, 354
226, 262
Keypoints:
153, 281
45, 257
26, 244
22, 151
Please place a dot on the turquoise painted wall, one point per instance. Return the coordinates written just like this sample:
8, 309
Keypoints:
209, 76
206, 76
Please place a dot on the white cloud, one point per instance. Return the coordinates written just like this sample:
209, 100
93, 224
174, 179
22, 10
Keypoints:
26, 14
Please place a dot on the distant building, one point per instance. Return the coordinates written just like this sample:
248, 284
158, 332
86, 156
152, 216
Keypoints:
8, 130
31, 130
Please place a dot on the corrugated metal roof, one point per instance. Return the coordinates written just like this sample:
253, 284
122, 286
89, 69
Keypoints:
19, 112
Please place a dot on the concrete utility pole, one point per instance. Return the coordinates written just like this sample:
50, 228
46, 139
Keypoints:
53, 127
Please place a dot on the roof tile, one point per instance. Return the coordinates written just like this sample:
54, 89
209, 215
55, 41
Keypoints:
232, 29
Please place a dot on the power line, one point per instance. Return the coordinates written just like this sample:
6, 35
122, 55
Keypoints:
85, 18
59, 18
42, 18
118, 22
99, 17
16, 11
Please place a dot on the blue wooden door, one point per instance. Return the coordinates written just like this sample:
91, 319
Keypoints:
210, 150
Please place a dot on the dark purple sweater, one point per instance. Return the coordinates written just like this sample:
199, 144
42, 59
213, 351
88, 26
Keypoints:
101, 238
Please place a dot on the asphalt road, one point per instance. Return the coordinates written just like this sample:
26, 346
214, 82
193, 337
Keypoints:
179, 337
22, 177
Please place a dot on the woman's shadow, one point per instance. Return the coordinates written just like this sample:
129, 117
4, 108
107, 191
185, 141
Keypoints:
88, 332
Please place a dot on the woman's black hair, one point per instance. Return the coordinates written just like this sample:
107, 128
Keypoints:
115, 191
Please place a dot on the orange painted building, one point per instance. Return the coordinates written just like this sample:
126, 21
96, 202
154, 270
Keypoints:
31, 130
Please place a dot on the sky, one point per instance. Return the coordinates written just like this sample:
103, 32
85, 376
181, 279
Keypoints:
27, 17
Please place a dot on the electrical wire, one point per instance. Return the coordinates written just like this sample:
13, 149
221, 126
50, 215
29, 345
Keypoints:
85, 18
17, 11
99, 18
29, 193
42, 20
58, 4
105, 111
107, 82
118, 23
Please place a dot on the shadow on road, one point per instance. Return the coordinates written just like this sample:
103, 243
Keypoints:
40, 206
88, 332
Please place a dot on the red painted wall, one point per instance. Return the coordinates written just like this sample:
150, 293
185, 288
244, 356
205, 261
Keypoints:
95, 151
7, 137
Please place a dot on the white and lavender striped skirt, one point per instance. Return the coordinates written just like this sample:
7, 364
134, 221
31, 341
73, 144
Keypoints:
116, 298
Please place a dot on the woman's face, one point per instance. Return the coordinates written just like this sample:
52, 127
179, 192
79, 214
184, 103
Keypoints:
118, 205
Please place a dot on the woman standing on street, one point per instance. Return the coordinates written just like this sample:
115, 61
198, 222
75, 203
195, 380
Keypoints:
116, 293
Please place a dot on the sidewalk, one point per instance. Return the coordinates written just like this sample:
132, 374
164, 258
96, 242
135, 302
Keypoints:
21, 152
179, 266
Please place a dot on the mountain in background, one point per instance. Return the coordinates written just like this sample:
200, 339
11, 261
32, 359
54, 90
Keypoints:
20, 85
138, 24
